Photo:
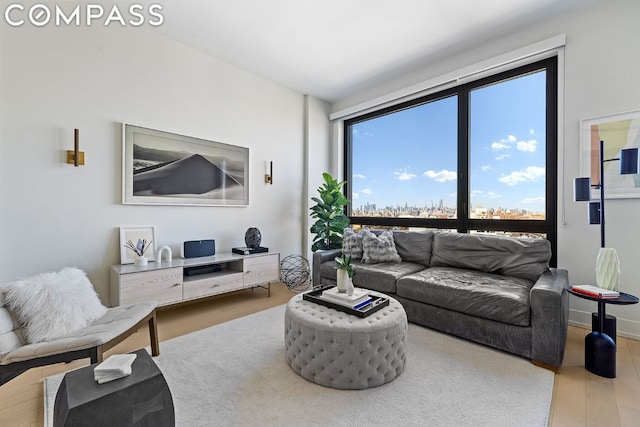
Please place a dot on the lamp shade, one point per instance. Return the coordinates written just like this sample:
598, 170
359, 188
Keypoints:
628, 161
582, 189
594, 213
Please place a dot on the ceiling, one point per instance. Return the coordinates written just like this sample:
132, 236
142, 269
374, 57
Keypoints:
333, 48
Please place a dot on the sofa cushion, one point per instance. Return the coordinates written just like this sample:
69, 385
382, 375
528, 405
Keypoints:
490, 296
352, 244
522, 257
379, 248
414, 246
380, 277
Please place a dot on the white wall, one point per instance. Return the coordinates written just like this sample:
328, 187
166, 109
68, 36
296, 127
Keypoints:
601, 63
318, 133
56, 79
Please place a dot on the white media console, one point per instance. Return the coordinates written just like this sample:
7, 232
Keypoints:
178, 280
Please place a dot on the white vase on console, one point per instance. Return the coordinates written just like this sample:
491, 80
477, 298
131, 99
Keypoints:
141, 261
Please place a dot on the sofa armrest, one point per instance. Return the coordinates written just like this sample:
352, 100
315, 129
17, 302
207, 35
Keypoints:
549, 317
318, 258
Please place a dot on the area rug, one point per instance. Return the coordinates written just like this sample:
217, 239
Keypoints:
235, 374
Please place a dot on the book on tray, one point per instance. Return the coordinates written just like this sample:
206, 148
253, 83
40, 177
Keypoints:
595, 291
360, 298
116, 366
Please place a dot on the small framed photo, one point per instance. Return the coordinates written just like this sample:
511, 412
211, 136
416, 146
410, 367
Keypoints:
618, 131
137, 237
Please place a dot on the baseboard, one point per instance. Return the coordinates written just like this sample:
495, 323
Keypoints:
625, 328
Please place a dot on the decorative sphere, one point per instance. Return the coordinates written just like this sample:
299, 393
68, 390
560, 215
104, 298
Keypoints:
252, 238
295, 273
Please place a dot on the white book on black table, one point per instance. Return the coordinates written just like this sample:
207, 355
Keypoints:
115, 364
358, 296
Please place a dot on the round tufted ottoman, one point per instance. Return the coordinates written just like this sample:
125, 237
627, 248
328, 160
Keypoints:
338, 350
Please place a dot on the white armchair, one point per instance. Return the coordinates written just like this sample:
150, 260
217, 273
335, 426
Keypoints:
28, 340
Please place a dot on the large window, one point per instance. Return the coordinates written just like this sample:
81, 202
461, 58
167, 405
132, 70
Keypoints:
480, 157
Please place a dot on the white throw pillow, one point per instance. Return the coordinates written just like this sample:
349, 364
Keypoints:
380, 248
52, 305
352, 244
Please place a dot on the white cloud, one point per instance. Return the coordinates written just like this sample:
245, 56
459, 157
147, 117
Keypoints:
403, 175
532, 132
488, 194
533, 200
358, 175
496, 146
502, 157
442, 176
355, 196
486, 168
366, 191
531, 173
529, 146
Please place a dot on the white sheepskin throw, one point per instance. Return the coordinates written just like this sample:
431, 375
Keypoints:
52, 305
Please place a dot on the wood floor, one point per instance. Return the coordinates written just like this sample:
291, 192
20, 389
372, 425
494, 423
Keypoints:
579, 397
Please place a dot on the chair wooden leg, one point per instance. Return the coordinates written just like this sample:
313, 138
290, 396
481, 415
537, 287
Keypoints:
96, 354
153, 335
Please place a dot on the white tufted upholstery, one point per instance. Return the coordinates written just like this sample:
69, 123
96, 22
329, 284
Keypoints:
335, 349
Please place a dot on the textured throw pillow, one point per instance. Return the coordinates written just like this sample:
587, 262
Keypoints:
52, 305
352, 244
379, 248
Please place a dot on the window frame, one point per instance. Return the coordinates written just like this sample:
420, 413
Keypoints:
463, 223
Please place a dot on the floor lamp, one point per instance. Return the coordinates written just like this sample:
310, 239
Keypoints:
607, 264
600, 348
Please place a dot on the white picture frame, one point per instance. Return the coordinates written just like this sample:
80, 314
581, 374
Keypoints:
164, 168
148, 233
618, 131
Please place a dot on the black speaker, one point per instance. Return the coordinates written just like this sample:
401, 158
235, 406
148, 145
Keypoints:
198, 248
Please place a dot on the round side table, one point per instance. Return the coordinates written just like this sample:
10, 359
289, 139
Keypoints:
600, 348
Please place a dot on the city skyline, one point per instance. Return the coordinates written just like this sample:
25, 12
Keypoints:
410, 156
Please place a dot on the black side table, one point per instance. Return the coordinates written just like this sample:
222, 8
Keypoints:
600, 348
140, 399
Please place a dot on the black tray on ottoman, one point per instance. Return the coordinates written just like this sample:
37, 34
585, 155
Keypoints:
377, 303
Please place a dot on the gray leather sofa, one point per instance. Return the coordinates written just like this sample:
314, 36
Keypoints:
494, 290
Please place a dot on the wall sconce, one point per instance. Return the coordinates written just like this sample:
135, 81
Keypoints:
75, 157
268, 177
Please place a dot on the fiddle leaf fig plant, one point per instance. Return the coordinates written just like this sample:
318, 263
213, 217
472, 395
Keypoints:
329, 215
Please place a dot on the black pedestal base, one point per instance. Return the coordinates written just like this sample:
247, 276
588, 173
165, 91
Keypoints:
609, 325
600, 354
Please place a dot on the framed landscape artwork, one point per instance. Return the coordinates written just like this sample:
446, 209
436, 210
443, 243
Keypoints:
162, 168
133, 235
618, 131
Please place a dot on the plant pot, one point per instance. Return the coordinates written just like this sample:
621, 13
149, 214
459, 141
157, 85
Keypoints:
342, 277
608, 269
141, 261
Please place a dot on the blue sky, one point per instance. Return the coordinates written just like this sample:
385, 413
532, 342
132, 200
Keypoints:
411, 156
